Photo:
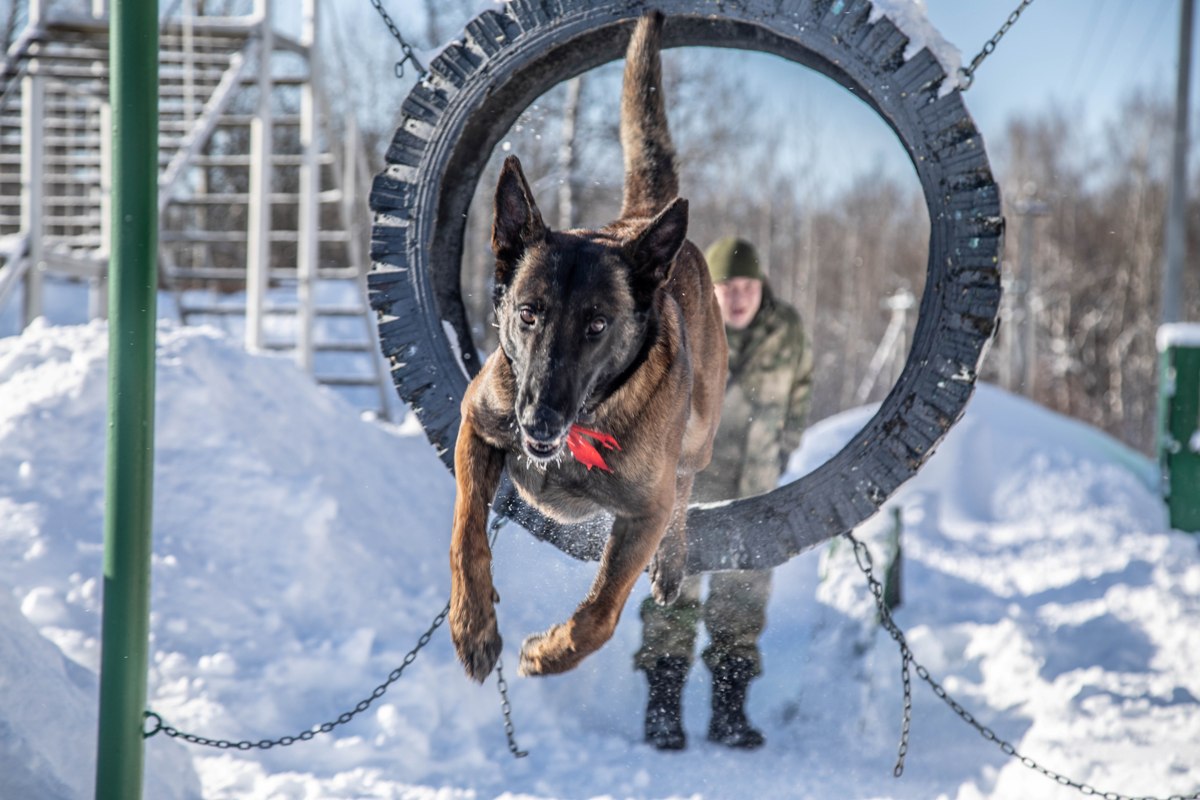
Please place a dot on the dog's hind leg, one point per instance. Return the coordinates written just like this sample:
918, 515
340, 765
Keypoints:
630, 546
666, 567
477, 467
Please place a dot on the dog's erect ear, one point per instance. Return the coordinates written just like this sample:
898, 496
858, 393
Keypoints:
516, 222
653, 250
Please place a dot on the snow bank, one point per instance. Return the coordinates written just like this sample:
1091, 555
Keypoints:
48, 703
299, 553
48, 720
272, 533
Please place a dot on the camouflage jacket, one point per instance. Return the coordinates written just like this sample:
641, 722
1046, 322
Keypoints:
766, 401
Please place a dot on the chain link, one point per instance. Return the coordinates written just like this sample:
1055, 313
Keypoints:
501, 684
967, 74
405, 47
157, 725
506, 710
863, 556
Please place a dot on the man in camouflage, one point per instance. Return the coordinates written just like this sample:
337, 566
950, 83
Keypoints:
766, 399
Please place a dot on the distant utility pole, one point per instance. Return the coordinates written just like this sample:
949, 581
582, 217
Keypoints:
1176, 235
1023, 344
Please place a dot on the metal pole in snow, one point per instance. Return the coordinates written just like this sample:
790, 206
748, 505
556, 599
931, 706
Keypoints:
258, 234
133, 88
308, 246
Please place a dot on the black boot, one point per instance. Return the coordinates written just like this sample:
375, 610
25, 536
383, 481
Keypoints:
664, 710
729, 725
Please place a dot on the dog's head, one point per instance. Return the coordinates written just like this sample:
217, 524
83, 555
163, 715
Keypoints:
574, 309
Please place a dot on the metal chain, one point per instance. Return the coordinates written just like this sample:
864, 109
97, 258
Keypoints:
157, 725
863, 556
409, 55
967, 74
506, 710
501, 684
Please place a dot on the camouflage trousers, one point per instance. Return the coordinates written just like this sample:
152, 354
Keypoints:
735, 613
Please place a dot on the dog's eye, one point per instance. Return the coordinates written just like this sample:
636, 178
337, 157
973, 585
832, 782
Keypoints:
527, 315
597, 326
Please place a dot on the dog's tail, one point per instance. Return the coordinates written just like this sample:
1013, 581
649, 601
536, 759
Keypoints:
651, 177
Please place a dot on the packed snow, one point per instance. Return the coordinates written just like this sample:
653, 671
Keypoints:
1178, 334
300, 552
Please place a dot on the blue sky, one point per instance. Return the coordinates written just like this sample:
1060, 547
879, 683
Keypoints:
1084, 56
1081, 55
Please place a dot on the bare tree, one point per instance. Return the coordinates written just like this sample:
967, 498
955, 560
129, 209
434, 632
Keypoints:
567, 163
1097, 258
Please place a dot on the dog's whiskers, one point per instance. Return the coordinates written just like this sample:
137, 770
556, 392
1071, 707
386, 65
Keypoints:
534, 463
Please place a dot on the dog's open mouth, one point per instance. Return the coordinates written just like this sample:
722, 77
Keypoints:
544, 451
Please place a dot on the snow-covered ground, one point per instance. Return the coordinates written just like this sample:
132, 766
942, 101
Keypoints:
300, 552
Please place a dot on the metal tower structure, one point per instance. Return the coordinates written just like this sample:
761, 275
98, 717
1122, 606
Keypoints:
262, 228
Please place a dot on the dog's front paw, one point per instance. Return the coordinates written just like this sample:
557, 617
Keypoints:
666, 575
548, 653
477, 640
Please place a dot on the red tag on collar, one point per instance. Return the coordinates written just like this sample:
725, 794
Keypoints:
584, 451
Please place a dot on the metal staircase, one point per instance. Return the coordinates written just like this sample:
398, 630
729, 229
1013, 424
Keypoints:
262, 228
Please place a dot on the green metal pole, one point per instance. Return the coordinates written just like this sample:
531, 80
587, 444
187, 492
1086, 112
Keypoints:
133, 88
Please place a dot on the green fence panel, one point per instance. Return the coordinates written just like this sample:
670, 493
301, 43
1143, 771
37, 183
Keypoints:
1179, 422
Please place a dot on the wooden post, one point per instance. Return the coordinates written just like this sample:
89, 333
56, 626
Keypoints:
893, 595
258, 235
891, 349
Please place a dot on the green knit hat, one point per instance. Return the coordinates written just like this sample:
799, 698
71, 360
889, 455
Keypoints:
732, 257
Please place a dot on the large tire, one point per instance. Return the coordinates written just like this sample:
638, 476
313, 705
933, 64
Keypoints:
476, 89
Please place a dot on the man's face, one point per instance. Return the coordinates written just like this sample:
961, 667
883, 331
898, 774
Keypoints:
739, 299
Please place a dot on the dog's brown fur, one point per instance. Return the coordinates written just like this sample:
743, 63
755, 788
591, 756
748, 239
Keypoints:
652, 376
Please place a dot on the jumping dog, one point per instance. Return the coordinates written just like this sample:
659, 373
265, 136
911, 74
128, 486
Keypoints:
605, 391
